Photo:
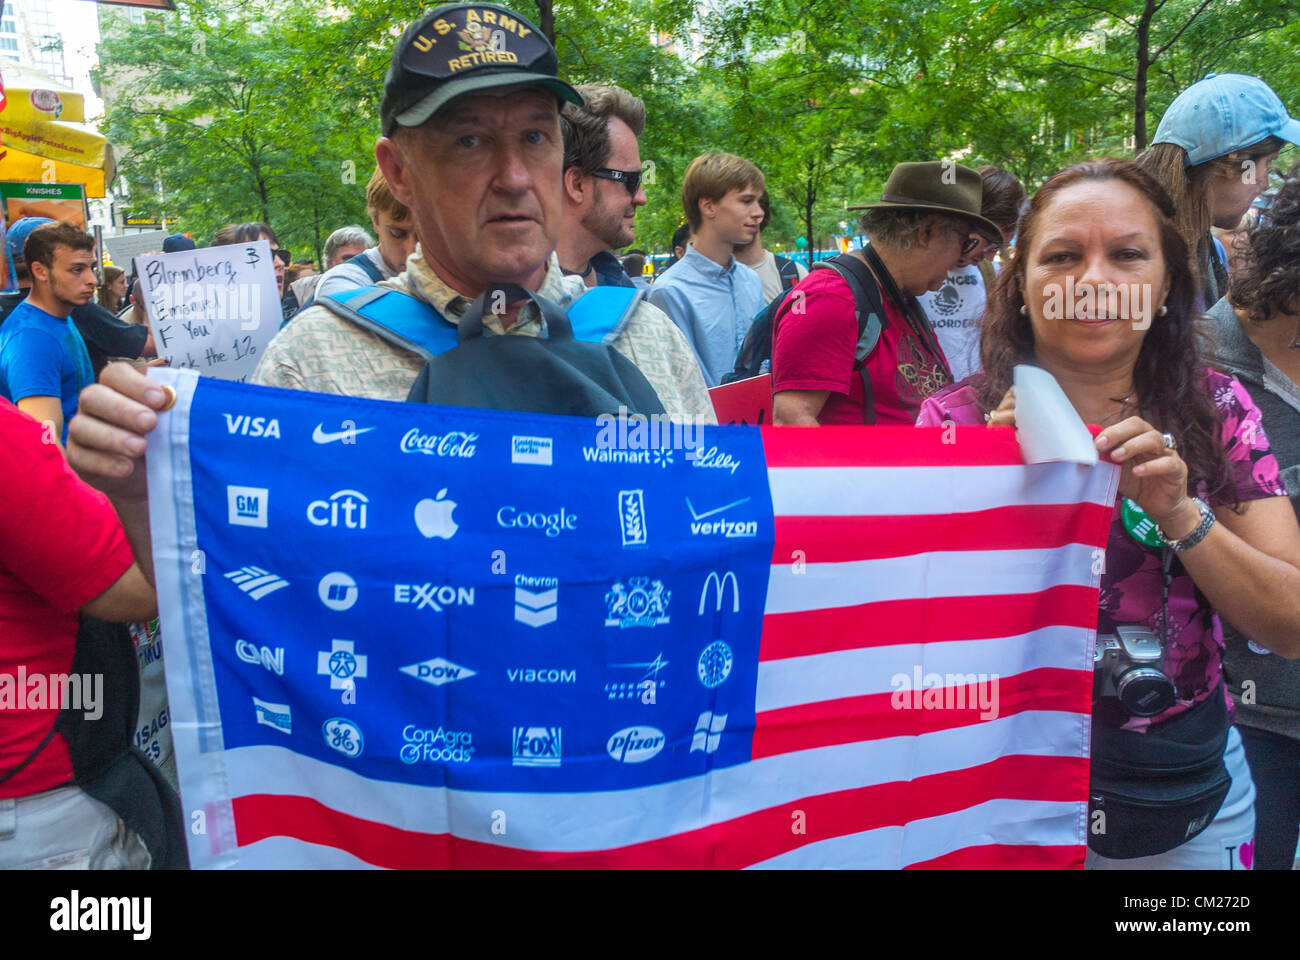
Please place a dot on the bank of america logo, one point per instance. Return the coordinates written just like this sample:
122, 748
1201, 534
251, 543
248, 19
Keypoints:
708, 732
256, 582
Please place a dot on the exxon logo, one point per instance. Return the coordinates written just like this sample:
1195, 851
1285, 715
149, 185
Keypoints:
438, 671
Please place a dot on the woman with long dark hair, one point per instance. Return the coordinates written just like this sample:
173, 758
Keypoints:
1099, 293
1257, 340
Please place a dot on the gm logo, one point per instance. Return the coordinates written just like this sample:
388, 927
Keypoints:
437, 671
535, 746
247, 505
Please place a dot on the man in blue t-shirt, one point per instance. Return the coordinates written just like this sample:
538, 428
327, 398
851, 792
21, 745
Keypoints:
44, 363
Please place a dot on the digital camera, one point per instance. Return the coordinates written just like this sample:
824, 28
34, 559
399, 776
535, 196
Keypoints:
1130, 664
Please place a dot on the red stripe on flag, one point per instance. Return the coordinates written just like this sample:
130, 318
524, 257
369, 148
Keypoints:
1003, 856
925, 620
875, 716
891, 447
740, 842
840, 539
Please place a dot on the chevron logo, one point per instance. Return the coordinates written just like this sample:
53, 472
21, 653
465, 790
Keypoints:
536, 607
256, 582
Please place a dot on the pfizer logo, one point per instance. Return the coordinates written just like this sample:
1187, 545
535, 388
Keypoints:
635, 744
344, 736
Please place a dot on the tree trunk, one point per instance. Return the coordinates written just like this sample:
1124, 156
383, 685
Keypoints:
546, 19
1140, 78
315, 217
810, 195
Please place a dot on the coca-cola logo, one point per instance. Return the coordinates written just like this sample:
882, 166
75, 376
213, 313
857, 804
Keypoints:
47, 101
455, 443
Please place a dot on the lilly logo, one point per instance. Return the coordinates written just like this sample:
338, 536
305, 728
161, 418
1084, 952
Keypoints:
433, 517
635, 744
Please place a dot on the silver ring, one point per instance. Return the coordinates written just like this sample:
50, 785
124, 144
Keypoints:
1170, 442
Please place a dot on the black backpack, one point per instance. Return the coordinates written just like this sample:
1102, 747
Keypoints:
788, 270
756, 350
574, 370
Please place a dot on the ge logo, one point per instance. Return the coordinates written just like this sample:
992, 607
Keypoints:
714, 665
344, 736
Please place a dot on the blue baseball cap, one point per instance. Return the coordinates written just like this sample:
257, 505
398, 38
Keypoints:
177, 242
1222, 113
18, 233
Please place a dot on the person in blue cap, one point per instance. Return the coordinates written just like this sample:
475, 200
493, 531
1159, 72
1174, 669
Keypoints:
1212, 153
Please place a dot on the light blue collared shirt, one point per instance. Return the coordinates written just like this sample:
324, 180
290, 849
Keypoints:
713, 305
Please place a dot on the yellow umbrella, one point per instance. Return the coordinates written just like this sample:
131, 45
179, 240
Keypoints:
19, 165
32, 94
35, 129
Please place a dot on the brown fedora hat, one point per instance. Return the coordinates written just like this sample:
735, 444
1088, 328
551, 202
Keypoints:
937, 186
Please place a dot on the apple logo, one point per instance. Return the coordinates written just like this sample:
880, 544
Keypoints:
433, 517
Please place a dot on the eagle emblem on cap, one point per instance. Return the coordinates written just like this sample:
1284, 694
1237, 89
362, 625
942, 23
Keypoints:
474, 37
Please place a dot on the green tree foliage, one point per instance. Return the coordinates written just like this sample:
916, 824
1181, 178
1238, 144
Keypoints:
231, 111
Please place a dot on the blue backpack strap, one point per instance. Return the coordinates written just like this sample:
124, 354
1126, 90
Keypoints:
600, 314
363, 261
397, 317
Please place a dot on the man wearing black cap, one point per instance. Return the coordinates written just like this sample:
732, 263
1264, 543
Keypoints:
827, 367
484, 185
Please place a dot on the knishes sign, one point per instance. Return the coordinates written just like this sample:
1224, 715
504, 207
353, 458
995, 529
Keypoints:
212, 310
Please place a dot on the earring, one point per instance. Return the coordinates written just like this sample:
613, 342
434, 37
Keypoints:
1163, 310
1024, 309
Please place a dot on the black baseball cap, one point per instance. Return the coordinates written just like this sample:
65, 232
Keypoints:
462, 48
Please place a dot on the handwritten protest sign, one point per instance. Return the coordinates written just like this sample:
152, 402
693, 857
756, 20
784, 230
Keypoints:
212, 310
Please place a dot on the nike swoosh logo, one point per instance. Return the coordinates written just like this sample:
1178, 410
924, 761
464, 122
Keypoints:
709, 513
320, 436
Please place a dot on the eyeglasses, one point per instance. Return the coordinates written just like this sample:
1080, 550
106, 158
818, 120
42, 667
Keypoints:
970, 241
282, 255
629, 178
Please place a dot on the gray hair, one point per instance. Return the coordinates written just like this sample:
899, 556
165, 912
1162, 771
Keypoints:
346, 236
897, 229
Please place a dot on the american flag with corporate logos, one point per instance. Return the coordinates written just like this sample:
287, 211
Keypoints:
440, 637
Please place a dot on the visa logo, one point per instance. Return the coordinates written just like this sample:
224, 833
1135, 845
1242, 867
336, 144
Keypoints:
246, 426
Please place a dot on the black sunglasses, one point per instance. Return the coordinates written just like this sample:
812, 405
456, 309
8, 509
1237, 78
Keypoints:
629, 178
282, 255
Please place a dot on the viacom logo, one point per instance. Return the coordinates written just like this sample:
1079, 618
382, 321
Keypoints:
436, 746
344, 507
635, 744
535, 747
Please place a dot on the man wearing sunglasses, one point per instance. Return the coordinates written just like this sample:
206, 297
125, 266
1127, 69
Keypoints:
827, 368
602, 182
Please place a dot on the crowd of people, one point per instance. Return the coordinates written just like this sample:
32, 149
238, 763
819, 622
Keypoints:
495, 176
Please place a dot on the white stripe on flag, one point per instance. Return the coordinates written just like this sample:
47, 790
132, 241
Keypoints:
921, 576
902, 491
855, 673
1038, 822
602, 820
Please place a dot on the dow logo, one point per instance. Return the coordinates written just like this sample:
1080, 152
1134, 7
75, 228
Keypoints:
438, 671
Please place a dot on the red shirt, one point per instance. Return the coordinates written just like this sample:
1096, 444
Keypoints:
61, 545
814, 351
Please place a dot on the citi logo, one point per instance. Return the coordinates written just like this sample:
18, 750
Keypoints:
246, 426
536, 600
346, 508
256, 582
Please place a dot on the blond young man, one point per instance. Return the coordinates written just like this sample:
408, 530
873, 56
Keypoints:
708, 293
